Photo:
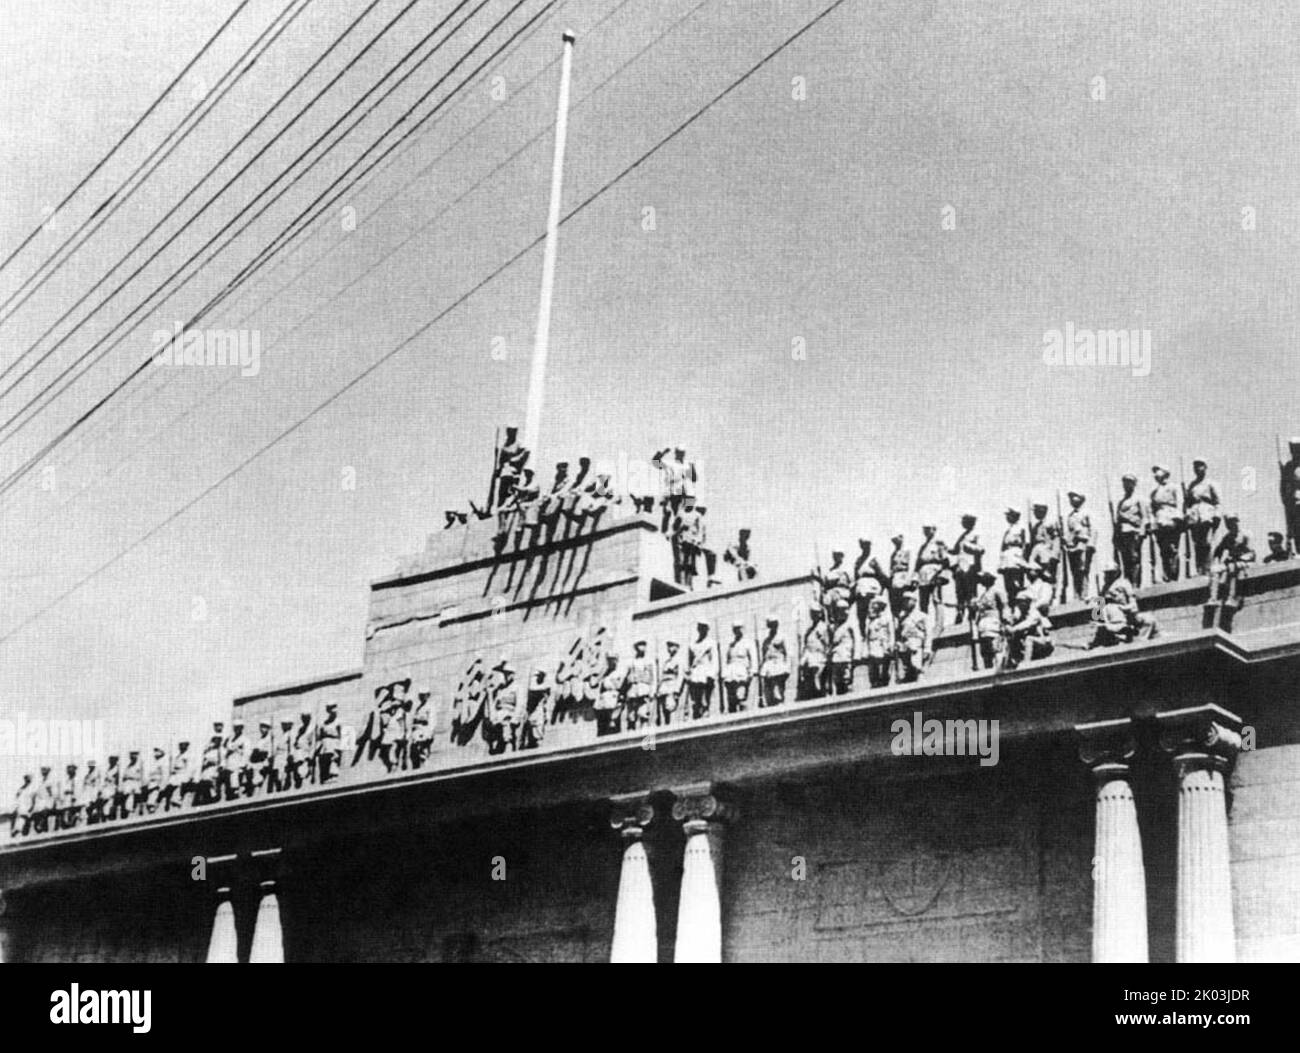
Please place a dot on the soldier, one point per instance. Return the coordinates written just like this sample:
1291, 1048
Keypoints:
180, 778
237, 774
510, 462
679, 478
701, 671
1166, 522
1039, 588
710, 555
1029, 636
20, 822
878, 643
774, 667
900, 572
1290, 492
329, 745
1011, 563
913, 639
421, 729
502, 724
396, 734
280, 774
538, 703
869, 580
1120, 592
640, 688
211, 766
688, 538
966, 558
1131, 530
155, 780
843, 652
1228, 563
834, 584
1045, 556
609, 700
69, 808
261, 763
1277, 550
814, 657
45, 803
988, 618
116, 803
303, 756
131, 785
567, 688
92, 792
1201, 508
739, 668
737, 554
552, 504
931, 563
1037, 525
1080, 544
672, 681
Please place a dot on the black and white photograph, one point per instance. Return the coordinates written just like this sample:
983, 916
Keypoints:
650, 481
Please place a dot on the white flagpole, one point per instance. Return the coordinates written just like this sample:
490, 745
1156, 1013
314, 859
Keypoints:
542, 342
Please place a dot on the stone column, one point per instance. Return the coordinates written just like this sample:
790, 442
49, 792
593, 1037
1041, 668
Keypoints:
1203, 750
699, 912
224, 945
1119, 885
636, 934
268, 939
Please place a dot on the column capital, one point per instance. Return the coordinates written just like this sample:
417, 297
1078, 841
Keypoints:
630, 814
1107, 747
699, 806
1206, 738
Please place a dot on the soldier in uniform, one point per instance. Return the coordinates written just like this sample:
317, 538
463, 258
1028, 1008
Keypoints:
329, 745
1037, 525
302, 766
551, 505
1121, 593
112, 782
92, 792
421, 729
678, 479
1290, 492
988, 616
20, 822
261, 763
739, 668
69, 808
1201, 509
843, 651
966, 558
45, 803
814, 657
672, 679
1131, 525
609, 701
639, 692
878, 643
280, 771
1045, 557
1080, 543
236, 774
510, 462
869, 580
1015, 544
834, 585
931, 563
131, 785
1029, 636
1228, 563
1277, 550
900, 572
773, 667
913, 639
211, 768
502, 725
710, 555
701, 671
538, 702
155, 780
1166, 522
688, 537
180, 778
738, 555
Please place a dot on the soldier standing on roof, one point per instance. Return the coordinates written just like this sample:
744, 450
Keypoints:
931, 563
701, 671
1166, 522
869, 581
966, 557
1080, 540
812, 662
1132, 528
774, 668
1015, 544
1202, 513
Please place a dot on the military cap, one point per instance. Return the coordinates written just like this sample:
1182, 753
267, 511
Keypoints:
561, 464
773, 620
70, 768
1199, 461
896, 536
1012, 511
217, 725
987, 575
286, 722
134, 753
701, 624
237, 723
673, 645
1073, 493
183, 744
1275, 535
837, 552
265, 722
45, 769
745, 531
1156, 469
1231, 517
638, 643
929, 526
737, 623
679, 449
113, 756
331, 705
1041, 504
1129, 477
864, 542
158, 751
968, 516
701, 508
92, 762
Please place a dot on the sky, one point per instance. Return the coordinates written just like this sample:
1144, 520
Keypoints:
833, 288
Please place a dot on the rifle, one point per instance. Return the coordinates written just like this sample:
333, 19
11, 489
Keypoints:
974, 639
496, 473
1063, 563
1185, 539
1284, 492
1114, 530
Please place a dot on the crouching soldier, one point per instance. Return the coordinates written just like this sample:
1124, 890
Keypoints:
1228, 564
1029, 636
774, 667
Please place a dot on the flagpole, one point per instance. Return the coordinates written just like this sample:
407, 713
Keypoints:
542, 341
